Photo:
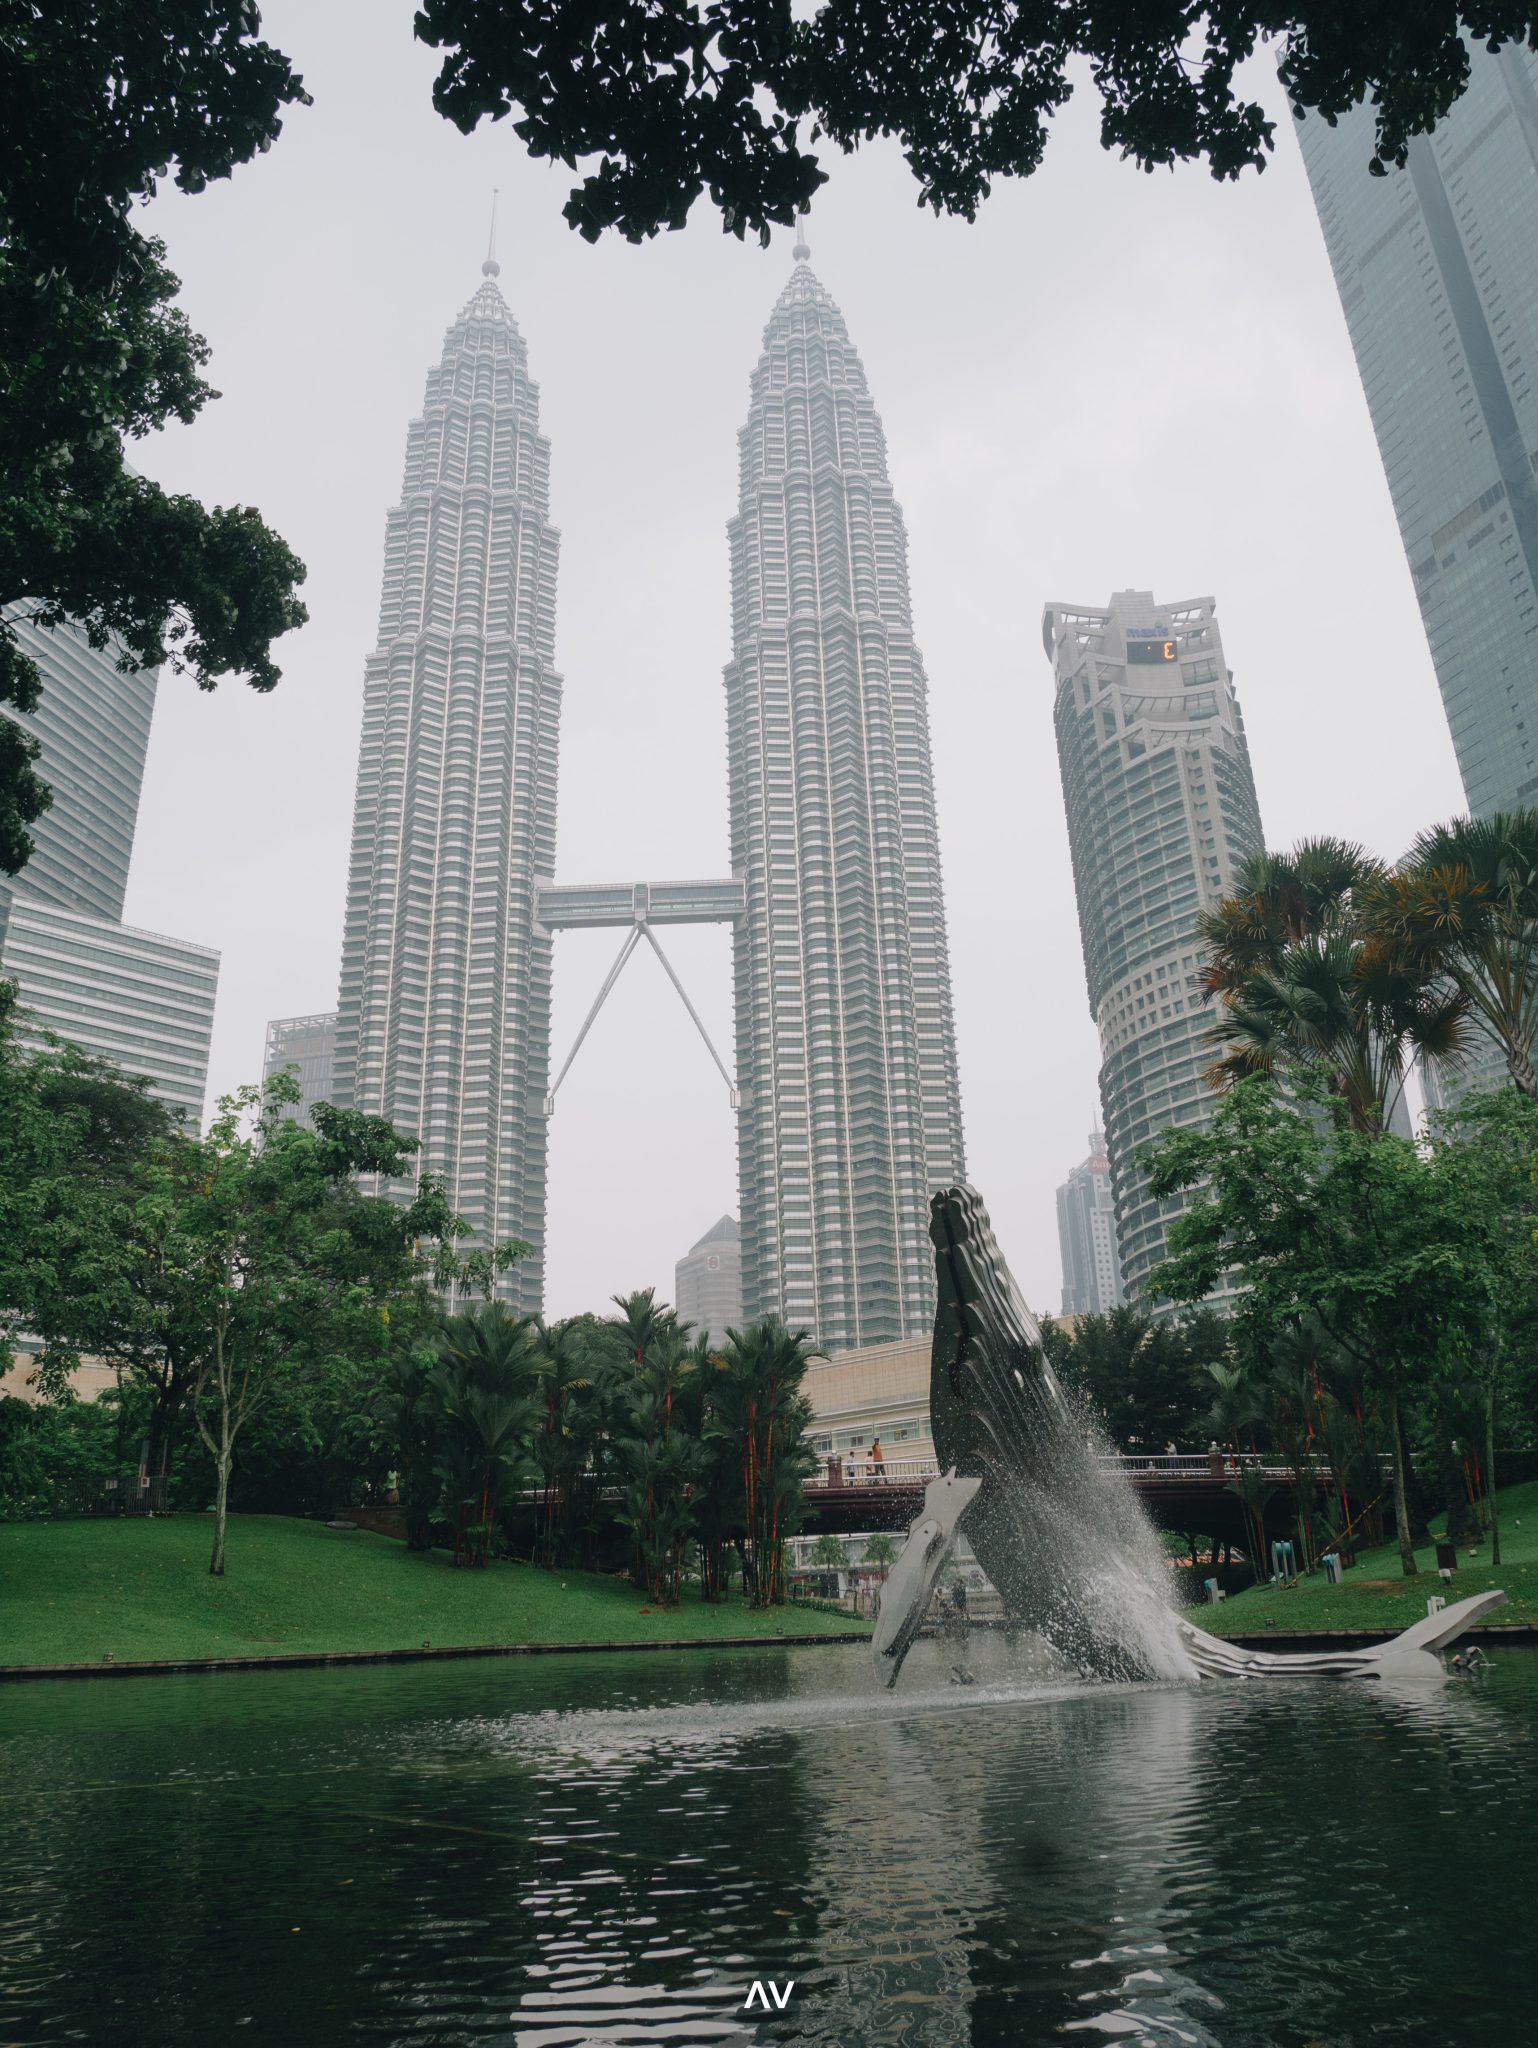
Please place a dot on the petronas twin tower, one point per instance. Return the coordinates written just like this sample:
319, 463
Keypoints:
848, 1105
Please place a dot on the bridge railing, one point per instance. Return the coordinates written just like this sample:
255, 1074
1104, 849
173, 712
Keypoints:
834, 1474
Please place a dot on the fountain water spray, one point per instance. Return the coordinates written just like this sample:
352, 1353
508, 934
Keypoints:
1053, 1521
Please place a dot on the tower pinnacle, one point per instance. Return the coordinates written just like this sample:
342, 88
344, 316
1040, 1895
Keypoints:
801, 253
491, 267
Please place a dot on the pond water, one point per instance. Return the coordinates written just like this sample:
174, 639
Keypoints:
549, 1852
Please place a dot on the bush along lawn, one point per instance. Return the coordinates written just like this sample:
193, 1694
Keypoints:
1375, 1594
139, 1591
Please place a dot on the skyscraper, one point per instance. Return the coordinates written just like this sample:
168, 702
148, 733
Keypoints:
1437, 269
139, 999
444, 1009
92, 726
1086, 1235
846, 1059
1161, 810
707, 1282
308, 1044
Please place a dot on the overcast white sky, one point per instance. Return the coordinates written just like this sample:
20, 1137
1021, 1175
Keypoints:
1109, 381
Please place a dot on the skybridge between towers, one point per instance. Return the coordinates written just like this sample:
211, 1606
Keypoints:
638, 907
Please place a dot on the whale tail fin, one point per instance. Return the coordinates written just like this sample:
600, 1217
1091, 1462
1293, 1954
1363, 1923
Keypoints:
1410, 1654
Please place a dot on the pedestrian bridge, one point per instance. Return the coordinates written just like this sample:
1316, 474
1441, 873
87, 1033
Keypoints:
1189, 1495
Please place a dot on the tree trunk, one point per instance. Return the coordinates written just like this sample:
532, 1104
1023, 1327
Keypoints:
1401, 1503
1462, 1528
1495, 1510
1519, 1064
1415, 1493
222, 1461
163, 1413
222, 1449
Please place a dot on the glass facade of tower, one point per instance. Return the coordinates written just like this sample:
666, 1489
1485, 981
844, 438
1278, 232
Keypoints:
92, 726
1437, 269
139, 999
707, 1282
444, 1011
1086, 1236
308, 1045
1161, 810
136, 998
846, 1059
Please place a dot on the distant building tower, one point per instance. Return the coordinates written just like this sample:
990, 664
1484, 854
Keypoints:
1437, 269
309, 1045
850, 1111
707, 1282
1161, 810
443, 1019
1086, 1232
139, 999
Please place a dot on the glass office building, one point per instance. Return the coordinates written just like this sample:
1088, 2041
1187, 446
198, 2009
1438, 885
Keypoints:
308, 1045
1161, 811
707, 1282
139, 999
1437, 269
92, 726
1086, 1236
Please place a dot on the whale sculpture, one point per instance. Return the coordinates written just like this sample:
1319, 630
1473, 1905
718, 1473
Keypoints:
1060, 1532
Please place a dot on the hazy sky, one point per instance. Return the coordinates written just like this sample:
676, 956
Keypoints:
1109, 381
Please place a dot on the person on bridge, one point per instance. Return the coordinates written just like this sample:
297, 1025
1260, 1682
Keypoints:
849, 1467
877, 1462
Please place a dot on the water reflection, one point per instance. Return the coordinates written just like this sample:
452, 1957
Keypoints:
616, 1849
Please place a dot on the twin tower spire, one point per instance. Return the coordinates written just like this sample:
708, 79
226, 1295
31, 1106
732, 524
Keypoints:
847, 1102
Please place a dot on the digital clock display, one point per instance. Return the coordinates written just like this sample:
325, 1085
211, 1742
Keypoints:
1150, 650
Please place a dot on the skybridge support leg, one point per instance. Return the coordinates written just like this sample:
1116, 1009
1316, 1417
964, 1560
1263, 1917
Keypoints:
633, 938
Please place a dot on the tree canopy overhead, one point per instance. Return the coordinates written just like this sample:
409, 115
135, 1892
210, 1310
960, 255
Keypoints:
101, 102
674, 99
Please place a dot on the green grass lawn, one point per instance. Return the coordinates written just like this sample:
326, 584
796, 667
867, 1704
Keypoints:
1376, 1594
74, 1592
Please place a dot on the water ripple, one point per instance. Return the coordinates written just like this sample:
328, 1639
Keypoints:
619, 1850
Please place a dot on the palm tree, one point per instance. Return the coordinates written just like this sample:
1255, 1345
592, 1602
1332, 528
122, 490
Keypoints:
564, 1371
641, 1320
1233, 1419
409, 1413
1463, 907
1235, 1409
760, 1417
661, 1462
715, 1496
880, 1551
481, 1390
1288, 1395
1303, 985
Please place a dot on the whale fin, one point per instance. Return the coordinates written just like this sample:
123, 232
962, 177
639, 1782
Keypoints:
905, 1596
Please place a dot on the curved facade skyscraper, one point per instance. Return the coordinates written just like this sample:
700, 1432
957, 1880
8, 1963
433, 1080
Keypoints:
444, 1008
1161, 812
846, 1058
